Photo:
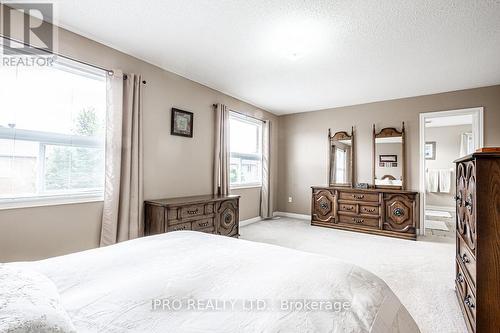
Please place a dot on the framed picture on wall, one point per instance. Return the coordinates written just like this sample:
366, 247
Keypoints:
430, 150
181, 123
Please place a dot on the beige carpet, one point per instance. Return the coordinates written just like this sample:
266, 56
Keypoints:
421, 273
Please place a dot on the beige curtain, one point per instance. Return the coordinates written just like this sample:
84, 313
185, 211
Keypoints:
123, 195
266, 209
221, 152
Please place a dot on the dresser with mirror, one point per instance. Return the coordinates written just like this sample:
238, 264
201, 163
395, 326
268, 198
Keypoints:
383, 207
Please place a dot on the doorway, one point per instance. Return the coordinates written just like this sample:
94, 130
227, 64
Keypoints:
444, 137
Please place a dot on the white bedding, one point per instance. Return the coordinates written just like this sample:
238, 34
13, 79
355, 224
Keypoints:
113, 289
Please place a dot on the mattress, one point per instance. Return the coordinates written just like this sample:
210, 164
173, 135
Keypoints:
188, 281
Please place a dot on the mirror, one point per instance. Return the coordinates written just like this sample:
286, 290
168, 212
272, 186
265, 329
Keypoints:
341, 146
389, 158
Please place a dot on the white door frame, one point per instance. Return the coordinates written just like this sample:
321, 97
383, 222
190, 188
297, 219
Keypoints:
477, 129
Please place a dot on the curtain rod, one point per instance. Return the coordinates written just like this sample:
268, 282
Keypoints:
243, 114
109, 71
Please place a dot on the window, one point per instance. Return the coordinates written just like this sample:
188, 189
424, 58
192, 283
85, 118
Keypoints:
52, 132
246, 151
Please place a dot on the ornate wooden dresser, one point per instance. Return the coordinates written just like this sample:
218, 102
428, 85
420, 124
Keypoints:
477, 281
214, 214
387, 212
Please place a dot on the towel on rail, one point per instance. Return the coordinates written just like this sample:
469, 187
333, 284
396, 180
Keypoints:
445, 181
432, 180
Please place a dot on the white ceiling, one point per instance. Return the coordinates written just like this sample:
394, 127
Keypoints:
303, 55
449, 121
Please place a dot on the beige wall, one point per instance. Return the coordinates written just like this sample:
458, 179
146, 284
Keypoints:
174, 166
303, 140
447, 150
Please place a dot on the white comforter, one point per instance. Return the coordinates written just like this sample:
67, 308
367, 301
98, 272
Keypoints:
134, 286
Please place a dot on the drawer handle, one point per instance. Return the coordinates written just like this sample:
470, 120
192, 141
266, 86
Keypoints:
180, 228
191, 212
369, 210
468, 302
358, 196
465, 259
347, 207
357, 220
205, 224
460, 278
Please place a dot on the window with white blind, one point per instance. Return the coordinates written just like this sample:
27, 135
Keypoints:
52, 132
246, 151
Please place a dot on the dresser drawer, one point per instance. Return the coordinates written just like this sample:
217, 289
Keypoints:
347, 208
207, 230
192, 211
464, 256
203, 224
180, 226
370, 210
359, 221
467, 303
460, 278
467, 299
372, 197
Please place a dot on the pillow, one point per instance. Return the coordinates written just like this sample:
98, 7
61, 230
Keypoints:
29, 302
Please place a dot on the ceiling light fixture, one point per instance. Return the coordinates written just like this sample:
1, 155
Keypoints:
296, 38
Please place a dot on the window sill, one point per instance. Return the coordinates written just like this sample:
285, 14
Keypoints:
241, 187
48, 201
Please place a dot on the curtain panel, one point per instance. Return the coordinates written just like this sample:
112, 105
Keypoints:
123, 193
266, 209
221, 151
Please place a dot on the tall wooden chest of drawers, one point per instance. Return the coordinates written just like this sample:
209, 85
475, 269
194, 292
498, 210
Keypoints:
477, 261
214, 214
385, 212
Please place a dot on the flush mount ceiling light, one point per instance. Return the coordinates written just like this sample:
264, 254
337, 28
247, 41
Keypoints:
296, 38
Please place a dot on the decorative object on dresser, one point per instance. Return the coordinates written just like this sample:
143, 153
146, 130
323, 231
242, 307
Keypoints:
341, 148
388, 170
478, 240
386, 212
216, 214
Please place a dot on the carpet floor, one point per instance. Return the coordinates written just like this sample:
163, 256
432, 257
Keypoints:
420, 273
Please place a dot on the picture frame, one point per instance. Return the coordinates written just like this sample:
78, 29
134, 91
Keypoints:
181, 123
388, 158
430, 150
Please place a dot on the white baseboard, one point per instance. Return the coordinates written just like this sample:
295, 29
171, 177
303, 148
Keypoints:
293, 215
450, 209
250, 221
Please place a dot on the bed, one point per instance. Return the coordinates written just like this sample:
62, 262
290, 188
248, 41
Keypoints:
194, 282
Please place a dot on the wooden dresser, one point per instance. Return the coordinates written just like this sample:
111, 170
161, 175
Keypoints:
387, 212
214, 214
478, 241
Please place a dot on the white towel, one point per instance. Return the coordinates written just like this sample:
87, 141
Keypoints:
445, 181
432, 180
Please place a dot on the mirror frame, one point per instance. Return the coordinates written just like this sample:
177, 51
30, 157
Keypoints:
389, 132
342, 135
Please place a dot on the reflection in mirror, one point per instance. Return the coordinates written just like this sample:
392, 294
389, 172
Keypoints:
388, 161
341, 159
388, 158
